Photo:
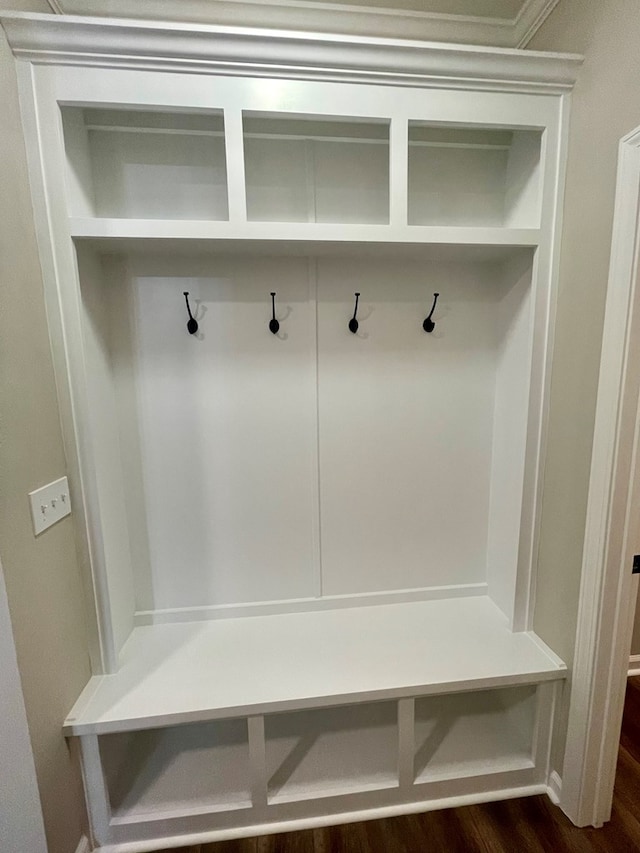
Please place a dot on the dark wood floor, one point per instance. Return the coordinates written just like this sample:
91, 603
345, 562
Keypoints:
530, 825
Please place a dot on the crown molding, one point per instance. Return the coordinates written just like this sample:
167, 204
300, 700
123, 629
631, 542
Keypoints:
530, 18
318, 16
70, 40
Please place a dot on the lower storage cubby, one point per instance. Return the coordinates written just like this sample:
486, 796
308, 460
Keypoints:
474, 734
199, 768
328, 752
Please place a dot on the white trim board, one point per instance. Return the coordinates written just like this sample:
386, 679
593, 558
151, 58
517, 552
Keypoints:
84, 845
634, 665
279, 53
608, 591
298, 824
391, 21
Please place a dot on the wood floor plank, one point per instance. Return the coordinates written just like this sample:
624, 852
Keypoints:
529, 825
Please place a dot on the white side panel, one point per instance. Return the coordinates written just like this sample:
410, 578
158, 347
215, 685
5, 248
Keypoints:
103, 418
405, 424
523, 181
514, 322
228, 429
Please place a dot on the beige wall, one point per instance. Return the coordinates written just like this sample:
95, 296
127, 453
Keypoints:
606, 106
42, 578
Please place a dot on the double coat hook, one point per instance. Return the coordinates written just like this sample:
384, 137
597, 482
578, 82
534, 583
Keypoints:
353, 322
192, 323
274, 325
429, 324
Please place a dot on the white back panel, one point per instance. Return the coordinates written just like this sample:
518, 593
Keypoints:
405, 424
227, 430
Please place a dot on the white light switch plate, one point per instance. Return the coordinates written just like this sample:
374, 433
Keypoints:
49, 504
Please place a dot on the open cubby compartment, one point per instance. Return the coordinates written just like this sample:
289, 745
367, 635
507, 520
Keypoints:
474, 734
313, 169
137, 164
242, 472
331, 751
198, 768
474, 176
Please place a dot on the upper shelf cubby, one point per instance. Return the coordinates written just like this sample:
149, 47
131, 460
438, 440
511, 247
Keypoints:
145, 165
461, 176
306, 169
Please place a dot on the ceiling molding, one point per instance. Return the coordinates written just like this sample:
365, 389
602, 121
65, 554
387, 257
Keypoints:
319, 16
531, 17
73, 40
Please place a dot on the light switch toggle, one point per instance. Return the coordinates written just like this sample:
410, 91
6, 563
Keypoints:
49, 504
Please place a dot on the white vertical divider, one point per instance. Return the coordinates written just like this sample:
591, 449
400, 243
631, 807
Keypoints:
97, 795
406, 741
310, 169
234, 148
398, 171
257, 761
316, 483
546, 697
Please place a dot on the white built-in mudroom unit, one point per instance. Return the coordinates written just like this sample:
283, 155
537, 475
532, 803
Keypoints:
301, 292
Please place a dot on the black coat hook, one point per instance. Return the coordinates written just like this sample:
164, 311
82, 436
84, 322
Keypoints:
428, 324
274, 326
353, 323
192, 323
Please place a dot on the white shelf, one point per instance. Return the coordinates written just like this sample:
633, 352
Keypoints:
266, 233
191, 672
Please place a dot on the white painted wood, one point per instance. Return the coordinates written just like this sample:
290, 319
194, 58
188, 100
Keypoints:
22, 826
235, 165
297, 172
174, 673
512, 315
321, 753
177, 770
498, 788
634, 665
554, 790
306, 605
456, 180
474, 733
608, 591
203, 49
406, 748
298, 237
390, 507
258, 762
95, 788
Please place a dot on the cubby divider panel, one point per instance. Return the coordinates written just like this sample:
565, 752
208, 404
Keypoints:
333, 751
473, 734
145, 165
311, 170
200, 767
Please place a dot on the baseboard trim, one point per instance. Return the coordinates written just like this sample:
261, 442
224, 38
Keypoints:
84, 846
554, 789
170, 842
634, 665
